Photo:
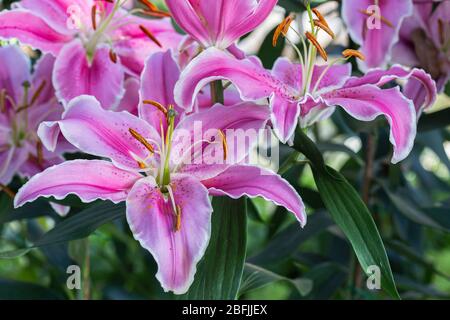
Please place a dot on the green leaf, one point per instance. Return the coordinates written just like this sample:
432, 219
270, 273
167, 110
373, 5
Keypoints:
267, 53
256, 277
435, 120
411, 255
29, 211
409, 209
219, 273
17, 290
349, 212
75, 227
286, 242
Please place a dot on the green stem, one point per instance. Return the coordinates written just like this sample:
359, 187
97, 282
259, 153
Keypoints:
217, 90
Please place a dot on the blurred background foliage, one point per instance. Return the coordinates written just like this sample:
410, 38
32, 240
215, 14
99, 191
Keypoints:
410, 203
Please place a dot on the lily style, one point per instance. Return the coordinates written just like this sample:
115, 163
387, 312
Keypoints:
219, 23
95, 42
164, 178
307, 92
424, 42
26, 99
375, 26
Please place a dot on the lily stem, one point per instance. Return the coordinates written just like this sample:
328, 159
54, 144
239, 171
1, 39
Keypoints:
217, 90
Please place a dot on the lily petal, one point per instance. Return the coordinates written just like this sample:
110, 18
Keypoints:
219, 22
10, 162
158, 81
376, 43
57, 12
14, 71
133, 46
88, 179
130, 100
74, 75
284, 117
251, 80
153, 223
42, 76
32, 30
251, 181
368, 101
103, 133
418, 77
240, 125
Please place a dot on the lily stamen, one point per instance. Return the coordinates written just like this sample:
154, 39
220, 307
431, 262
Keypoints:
8, 191
112, 56
157, 105
153, 10
150, 35
348, 53
224, 144
321, 18
3, 100
178, 219
38, 92
142, 140
316, 44
325, 28
40, 153
379, 17
94, 17
282, 28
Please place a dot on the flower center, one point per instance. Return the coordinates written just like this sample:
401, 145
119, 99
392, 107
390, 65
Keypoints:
308, 57
18, 115
103, 25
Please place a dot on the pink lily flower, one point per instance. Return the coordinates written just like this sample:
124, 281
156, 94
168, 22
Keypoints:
25, 101
95, 42
375, 25
219, 23
296, 94
163, 174
425, 42
158, 80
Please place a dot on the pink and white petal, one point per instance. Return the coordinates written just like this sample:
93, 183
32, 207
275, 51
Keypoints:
10, 162
57, 12
252, 181
288, 72
42, 76
48, 111
32, 30
130, 100
232, 26
15, 69
104, 133
134, 47
239, 123
74, 75
313, 109
158, 80
49, 133
376, 43
332, 77
251, 80
152, 222
441, 13
60, 209
367, 102
284, 117
185, 15
88, 179
380, 77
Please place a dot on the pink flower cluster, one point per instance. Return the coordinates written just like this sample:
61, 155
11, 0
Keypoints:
117, 85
